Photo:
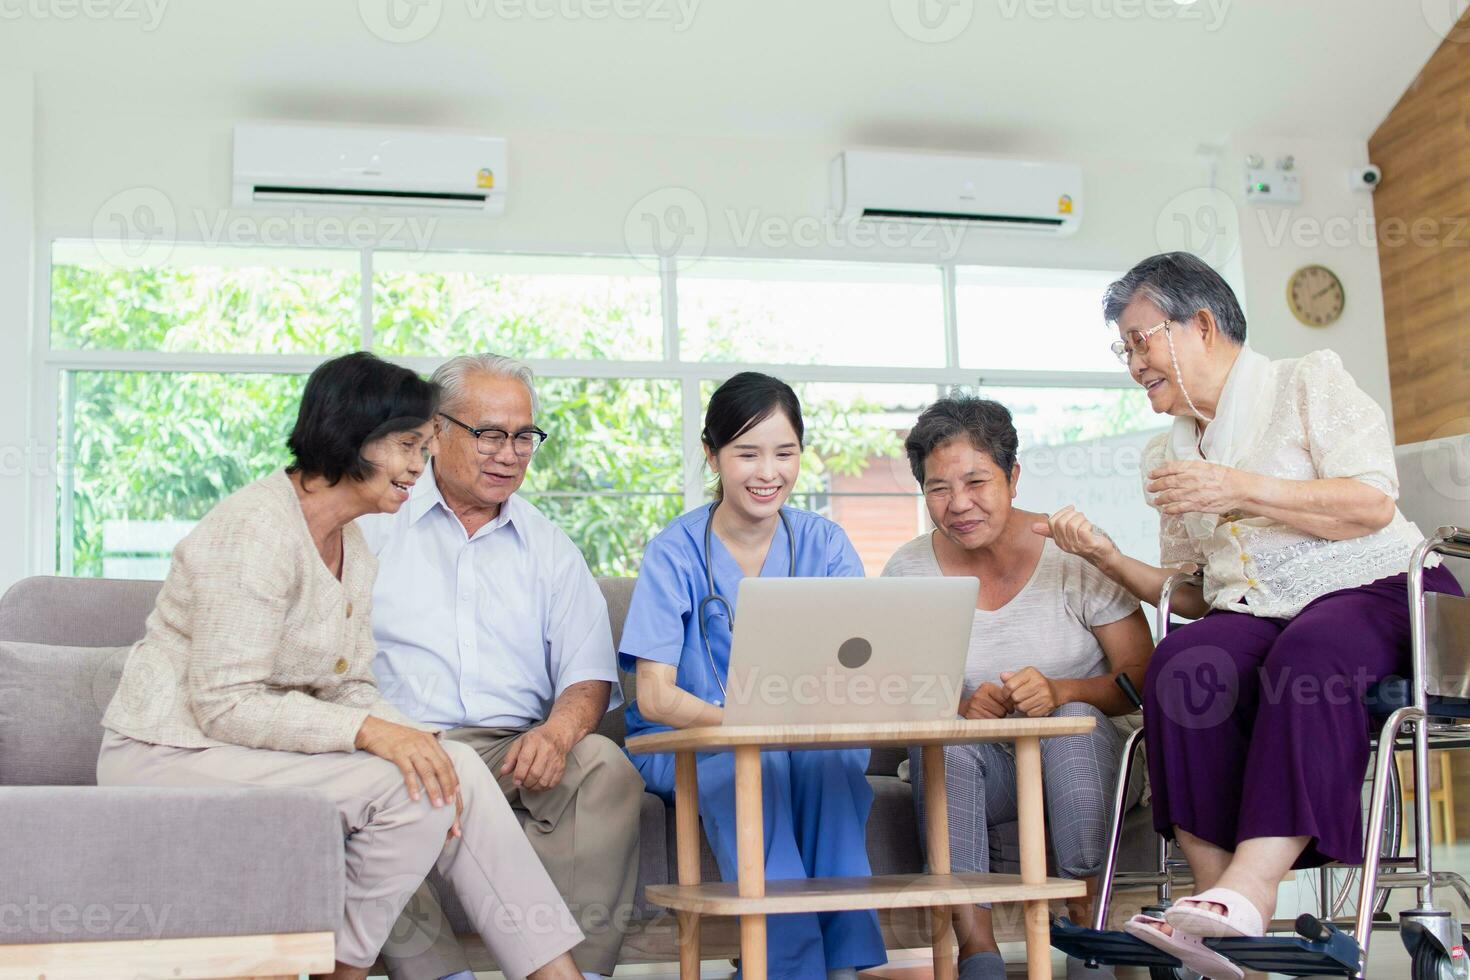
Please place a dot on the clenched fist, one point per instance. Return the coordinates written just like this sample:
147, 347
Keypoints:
1076, 535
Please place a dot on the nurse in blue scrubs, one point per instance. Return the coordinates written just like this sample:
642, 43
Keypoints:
677, 637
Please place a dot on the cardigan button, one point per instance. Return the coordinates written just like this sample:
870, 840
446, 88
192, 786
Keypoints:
341, 665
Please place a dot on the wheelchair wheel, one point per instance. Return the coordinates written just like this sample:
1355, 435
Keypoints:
1428, 962
1174, 973
1343, 882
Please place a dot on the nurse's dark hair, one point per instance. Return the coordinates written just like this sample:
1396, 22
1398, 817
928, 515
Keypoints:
349, 402
742, 403
984, 423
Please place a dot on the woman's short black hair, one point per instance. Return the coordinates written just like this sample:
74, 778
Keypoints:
986, 424
350, 401
742, 403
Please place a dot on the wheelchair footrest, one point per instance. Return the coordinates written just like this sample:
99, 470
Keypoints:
1111, 948
1335, 954
1293, 956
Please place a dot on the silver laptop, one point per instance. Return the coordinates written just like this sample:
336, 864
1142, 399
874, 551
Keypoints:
831, 650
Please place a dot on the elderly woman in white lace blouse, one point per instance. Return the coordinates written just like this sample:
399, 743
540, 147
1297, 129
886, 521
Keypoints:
1278, 480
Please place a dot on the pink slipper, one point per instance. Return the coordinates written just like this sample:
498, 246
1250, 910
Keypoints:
1241, 918
1189, 950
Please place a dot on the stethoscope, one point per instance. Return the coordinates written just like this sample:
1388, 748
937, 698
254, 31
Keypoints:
714, 593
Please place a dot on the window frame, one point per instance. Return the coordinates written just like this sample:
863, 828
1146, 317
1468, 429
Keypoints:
50, 499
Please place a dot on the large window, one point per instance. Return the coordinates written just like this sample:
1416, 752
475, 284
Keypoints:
443, 304
812, 313
176, 383
207, 300
1032, 319
151, 452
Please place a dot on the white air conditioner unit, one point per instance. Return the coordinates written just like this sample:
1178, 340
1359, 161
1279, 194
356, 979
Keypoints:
349, 166
890, 185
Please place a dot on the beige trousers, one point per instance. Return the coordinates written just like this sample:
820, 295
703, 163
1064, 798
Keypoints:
584, 829
392, 841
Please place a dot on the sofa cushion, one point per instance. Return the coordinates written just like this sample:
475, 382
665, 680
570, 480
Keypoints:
893, 828
83, 612
138, 863
51, 704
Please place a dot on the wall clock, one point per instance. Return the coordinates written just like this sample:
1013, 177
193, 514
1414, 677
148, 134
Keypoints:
1315, 295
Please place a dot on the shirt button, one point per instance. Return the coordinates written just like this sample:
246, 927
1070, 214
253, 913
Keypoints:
341, 665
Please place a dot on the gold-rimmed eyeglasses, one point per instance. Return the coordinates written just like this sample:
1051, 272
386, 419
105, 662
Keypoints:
1137, 343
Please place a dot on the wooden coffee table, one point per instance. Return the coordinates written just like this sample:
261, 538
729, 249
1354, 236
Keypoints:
752, 898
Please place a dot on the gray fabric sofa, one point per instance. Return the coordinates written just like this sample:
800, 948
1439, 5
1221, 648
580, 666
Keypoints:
235, 862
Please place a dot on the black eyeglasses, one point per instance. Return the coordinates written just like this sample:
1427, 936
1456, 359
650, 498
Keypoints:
491, 439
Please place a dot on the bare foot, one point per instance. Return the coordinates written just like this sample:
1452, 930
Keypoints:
1160, 925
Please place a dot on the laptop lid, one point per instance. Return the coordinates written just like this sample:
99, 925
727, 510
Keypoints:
832, 650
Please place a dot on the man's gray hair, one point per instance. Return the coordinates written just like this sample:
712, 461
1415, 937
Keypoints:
450, 376
1180, 285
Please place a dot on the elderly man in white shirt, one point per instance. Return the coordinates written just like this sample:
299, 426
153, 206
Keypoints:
490, 626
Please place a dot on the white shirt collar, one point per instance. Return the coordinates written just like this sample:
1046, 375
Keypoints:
427, 496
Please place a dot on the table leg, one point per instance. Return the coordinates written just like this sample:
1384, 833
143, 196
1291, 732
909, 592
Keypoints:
686, 837
1031, 818
750, 850
936, 812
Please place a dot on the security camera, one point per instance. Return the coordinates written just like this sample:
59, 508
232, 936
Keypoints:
1366, 178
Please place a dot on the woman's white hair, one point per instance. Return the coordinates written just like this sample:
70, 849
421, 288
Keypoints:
450, 376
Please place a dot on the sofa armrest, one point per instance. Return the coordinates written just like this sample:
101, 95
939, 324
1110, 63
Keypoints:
93, 864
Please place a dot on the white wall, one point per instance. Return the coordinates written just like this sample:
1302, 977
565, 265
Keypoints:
1333, 226
19, 464
575, 192
572, 192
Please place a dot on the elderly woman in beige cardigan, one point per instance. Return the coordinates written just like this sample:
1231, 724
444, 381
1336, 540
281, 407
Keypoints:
255, 669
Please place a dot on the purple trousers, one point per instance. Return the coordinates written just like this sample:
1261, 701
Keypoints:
1256, 727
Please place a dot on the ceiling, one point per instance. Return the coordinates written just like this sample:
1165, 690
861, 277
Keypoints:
841, 71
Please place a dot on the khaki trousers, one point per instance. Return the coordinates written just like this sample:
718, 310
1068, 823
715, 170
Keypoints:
585, 830
392, 841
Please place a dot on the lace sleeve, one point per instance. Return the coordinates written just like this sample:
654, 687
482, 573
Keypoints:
1176, 547
1347, 432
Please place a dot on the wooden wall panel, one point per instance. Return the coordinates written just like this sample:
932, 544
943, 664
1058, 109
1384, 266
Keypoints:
1423, 218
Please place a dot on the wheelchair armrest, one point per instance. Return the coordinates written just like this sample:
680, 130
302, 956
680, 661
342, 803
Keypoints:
1166, 596
1453, 534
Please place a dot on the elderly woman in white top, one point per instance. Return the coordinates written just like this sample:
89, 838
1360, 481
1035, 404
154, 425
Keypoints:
1278, 480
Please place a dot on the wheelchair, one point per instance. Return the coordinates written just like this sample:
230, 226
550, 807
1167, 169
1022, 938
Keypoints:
1431, 709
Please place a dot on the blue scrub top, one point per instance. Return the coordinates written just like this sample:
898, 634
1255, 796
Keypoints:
663, 621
